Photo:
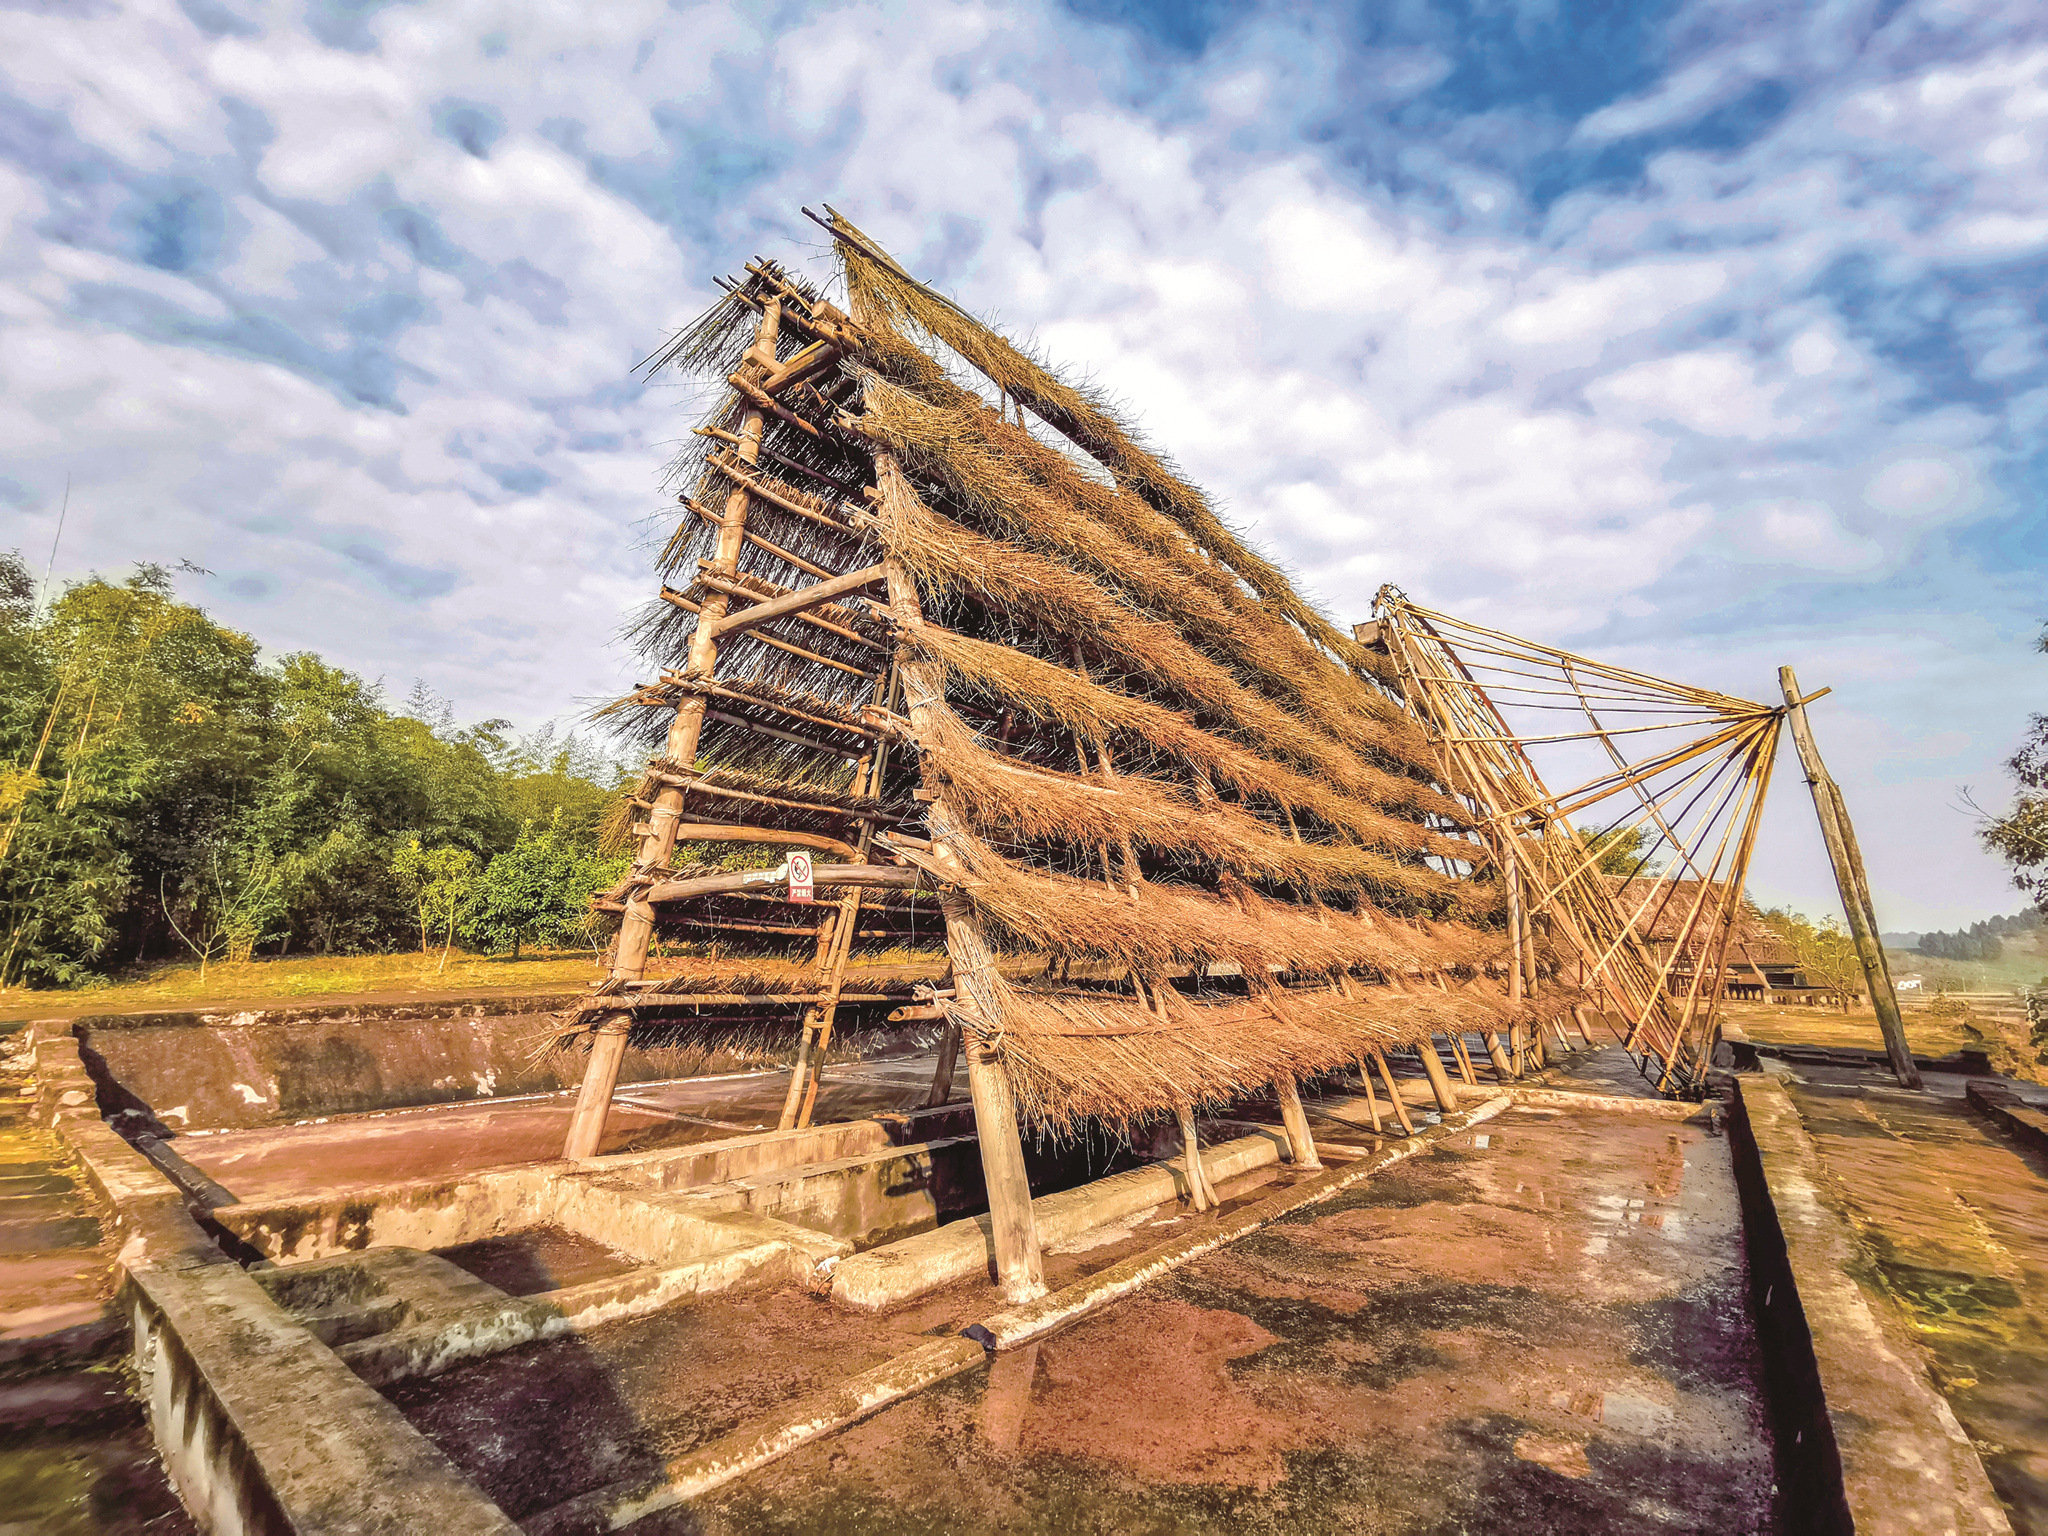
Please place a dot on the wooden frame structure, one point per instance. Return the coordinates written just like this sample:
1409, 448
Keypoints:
1143, 828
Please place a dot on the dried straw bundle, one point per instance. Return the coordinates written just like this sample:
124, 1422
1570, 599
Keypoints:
1159, 929
1085, 416
948, 557
1001, 472
1002, 798
1062, 697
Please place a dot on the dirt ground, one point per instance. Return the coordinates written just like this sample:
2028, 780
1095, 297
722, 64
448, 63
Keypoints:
1994, 1025
1540, 1326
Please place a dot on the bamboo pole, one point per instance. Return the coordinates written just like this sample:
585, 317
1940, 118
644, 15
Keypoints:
1852, 883
1200, 1196
1439, 1080
629, 953
942, 1070
1503, 1069
1379, 1061
1301, 1145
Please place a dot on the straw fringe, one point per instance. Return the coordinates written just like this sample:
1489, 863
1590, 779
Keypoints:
1004, 798
947, 557
1008, 477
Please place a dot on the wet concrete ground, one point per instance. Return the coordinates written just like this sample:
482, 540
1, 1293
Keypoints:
75, 1459
1955, 1217
1538, 1327
283, 1161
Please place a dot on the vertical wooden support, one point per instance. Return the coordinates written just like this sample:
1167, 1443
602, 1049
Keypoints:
1503, 1069
1463, 1052
1585, 1033
1372, 1103
629, 952
1379, 1060
1439, 1081
942, 1073
1200, 1196
600, 1077
1514, 884
1301, 1146
1852, 883
1020, 1269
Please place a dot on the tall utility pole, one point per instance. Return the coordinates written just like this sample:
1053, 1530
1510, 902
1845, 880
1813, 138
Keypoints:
1851, 881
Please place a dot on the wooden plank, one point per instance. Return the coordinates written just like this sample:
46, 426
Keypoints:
670, 595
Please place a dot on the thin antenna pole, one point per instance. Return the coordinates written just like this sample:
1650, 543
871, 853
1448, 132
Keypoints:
63, 512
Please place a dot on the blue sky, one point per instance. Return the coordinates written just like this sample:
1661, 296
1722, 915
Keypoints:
1704, 337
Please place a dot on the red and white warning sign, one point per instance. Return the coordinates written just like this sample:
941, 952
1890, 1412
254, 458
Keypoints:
800, 887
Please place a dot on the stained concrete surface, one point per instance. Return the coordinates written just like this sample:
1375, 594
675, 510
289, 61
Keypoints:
289, 1161
75, 1459
1540, 1326
1955, 1217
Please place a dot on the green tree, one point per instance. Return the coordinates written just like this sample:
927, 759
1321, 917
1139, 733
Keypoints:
538, 891
1620, 850
1824, 950
438, 882
163, 788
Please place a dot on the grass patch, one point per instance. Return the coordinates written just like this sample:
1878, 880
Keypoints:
313, 976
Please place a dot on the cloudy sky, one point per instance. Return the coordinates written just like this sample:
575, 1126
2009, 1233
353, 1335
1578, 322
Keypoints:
1698, 336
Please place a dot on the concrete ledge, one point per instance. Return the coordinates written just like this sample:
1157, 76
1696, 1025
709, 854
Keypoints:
263, 1429
900, 1271
1561, 1098
1996, 1102
1866, 1444
432, 1347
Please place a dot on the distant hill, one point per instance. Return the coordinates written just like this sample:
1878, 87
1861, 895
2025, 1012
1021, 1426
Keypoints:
1899, 940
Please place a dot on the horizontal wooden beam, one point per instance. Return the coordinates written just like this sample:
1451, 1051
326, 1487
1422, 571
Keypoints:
796, 602
743, 475
879, 875
748, 595
727, 832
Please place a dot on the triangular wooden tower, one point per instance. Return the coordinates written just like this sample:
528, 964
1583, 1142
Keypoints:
940, 619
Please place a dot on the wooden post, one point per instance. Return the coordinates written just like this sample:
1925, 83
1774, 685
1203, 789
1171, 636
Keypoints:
942, 1073
600, 1077
1464, 1055
1020, 1270
1514, 883
1503, 1069
1379, 1060
1200, 1196
1301, 1145
1439, 1081
629, 953
1579, 1018
1372, 1103
1852, 883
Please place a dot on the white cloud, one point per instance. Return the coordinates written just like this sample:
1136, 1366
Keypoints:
1568, 422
